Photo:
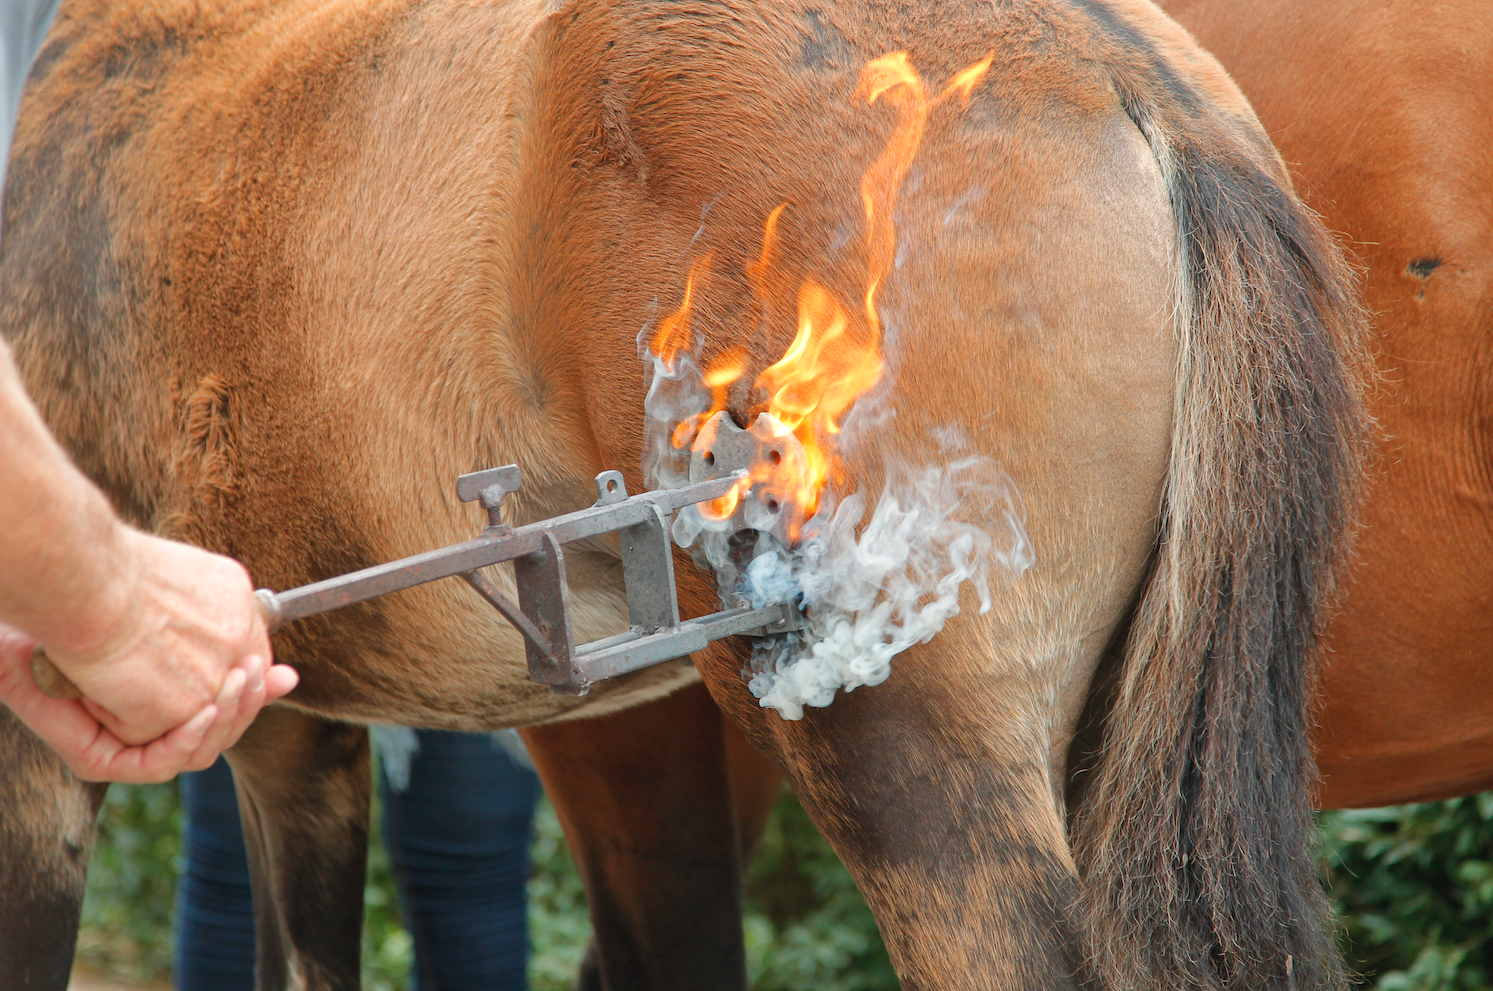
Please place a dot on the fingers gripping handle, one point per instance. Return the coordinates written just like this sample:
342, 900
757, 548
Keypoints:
50, 680
59, 686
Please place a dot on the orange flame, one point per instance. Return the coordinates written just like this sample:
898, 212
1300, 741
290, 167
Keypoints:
674, 334
835, 357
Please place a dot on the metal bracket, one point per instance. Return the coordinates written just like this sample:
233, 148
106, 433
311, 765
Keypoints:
542, 614
767, 505
544, 596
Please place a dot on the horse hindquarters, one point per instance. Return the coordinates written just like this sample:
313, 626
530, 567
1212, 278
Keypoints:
941, 787
1141, 316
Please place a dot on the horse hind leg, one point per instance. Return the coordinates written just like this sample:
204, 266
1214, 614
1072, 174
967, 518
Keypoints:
304, 787
46, 836
659, 807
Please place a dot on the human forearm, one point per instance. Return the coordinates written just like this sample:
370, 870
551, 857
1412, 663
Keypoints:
65, 572
161, 637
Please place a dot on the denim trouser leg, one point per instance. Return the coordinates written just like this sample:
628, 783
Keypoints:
214, 938
459, 842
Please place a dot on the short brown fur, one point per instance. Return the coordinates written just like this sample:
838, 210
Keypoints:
1388, 135
325, 257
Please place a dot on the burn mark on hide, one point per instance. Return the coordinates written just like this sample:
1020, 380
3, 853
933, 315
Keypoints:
1422, 268
824, 47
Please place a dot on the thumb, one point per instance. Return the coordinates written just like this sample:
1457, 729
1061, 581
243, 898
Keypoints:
15, 646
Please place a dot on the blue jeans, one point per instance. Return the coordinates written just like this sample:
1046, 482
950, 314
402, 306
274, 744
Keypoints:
458, 838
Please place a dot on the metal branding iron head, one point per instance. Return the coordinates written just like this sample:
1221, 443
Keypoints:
775, 463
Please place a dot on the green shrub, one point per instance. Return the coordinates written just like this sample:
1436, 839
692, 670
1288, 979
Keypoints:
388, 950
559, 926
126, 924
1413, 887
126, 927
806, 924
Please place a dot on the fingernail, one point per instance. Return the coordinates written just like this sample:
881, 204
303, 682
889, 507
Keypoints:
256, 678
235, 687
205, 720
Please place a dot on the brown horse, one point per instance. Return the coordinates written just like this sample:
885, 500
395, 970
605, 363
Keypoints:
276, 272
1386, 114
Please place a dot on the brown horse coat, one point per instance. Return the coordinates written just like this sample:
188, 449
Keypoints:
277, 272
1384, 112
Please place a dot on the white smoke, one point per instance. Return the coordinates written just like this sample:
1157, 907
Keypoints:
868, 596
867, 592
676, 392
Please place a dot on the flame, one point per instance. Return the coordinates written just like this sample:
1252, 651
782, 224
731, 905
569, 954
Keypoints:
674, 334
835, 357
966, 79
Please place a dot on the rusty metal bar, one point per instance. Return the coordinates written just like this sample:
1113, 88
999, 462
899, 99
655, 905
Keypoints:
544, 596
630, 651
494, 545
542, 614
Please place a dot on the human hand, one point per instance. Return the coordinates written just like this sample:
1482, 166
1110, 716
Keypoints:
94, 753
159, 645
179, 633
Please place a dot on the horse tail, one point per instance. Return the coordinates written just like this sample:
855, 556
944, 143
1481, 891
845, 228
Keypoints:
1195, 835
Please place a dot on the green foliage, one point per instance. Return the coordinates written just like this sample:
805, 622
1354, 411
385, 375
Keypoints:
559, 925
1412, 885
806, 923
388, 950
1413, 888
126, 927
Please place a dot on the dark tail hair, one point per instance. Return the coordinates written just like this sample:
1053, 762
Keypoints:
1195, 837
